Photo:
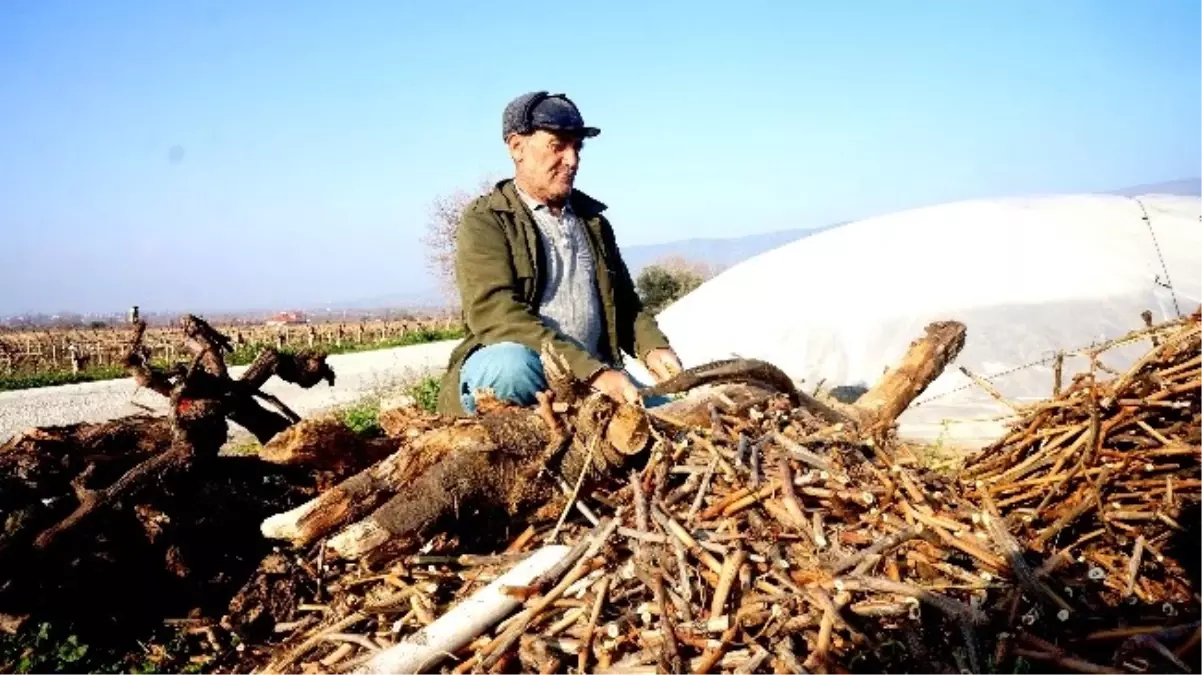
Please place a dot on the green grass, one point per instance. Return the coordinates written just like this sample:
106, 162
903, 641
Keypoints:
940, 456
246, 353
45, 648
363, 416
56, 377
40, 649
240, 357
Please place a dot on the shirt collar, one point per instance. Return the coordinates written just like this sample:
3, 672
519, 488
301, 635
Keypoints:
535, 205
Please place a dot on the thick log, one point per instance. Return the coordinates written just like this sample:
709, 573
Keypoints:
925, 361
495, 465
693, 409
744, 373
462, 445
456, 484
509, 460
362, 493
317, 442
629, 431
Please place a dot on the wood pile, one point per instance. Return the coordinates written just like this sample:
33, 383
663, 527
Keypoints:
766, 536
1101, 486
746, 527
779, 533
116, 523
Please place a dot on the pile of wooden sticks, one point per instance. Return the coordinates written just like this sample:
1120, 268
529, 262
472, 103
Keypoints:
770, 541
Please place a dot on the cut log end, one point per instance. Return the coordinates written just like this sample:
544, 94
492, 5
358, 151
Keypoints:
629, 431
299, 525
922, 364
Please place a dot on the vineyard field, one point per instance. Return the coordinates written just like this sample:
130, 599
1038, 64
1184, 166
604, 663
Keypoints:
47, 357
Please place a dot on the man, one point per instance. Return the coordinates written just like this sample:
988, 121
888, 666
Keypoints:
536, 261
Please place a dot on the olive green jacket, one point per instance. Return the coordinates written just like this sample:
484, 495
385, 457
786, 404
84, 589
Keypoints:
500, 269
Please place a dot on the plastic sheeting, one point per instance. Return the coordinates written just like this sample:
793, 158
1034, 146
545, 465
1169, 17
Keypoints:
1027, 276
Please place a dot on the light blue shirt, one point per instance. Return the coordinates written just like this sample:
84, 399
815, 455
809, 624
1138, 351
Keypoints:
570, 302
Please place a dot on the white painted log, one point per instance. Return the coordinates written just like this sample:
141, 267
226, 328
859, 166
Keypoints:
422, 651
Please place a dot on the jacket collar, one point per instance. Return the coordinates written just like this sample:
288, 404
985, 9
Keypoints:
504, 197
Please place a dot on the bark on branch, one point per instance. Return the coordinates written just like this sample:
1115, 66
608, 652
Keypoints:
922, 364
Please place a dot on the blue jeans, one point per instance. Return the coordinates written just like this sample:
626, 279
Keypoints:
514, 373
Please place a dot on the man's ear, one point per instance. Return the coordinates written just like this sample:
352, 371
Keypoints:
515, 143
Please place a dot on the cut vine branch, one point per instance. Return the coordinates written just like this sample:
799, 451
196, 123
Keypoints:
202, 396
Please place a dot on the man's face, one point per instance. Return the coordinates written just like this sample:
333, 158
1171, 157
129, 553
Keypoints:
547, 162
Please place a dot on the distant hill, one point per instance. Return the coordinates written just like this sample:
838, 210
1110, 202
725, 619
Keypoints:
423, 299
1186, 187
718, 252
725, 252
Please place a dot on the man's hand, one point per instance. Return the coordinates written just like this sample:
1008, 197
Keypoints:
663, 364
615, 384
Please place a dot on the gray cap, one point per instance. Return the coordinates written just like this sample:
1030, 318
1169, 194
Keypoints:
542, 110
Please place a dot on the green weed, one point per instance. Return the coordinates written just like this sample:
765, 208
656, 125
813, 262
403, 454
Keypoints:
42, 647
363, 417
245, 448
425, 391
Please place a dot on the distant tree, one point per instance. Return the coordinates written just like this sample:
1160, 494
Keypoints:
665, 281
682, 265
441, 228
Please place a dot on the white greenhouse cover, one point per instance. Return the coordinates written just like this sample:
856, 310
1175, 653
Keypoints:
1027, 276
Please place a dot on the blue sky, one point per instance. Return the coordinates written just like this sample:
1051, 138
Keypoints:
314, 135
